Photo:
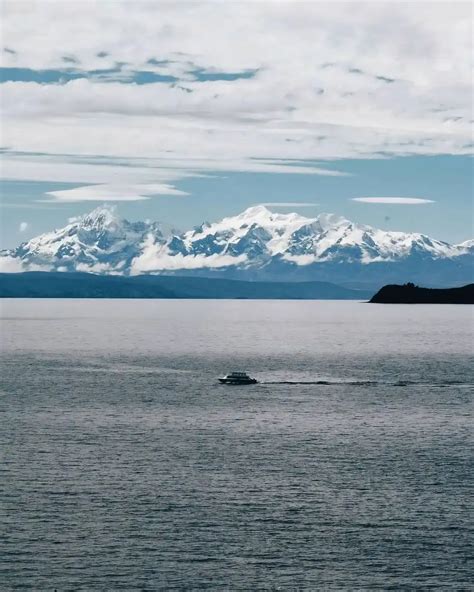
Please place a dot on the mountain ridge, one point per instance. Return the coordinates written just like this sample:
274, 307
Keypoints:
256, 244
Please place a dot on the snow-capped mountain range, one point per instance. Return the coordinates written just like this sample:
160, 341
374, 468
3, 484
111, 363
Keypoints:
256, 244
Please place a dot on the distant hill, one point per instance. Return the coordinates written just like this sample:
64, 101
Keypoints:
38, 284
411, 294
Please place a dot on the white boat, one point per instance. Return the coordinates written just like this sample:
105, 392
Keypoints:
237, 378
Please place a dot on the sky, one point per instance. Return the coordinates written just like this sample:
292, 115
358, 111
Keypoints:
191, 111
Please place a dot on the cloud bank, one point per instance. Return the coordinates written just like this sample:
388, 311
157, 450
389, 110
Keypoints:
165, 91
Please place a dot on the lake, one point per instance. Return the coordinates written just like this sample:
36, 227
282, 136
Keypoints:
126, 466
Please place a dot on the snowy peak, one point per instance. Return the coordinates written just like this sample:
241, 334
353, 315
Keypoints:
100, 218
257, 216
254, 212
467, 246
261, 215
252, 242
251, 237
99, 241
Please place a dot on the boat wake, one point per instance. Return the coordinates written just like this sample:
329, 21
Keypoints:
323, 382
368, 383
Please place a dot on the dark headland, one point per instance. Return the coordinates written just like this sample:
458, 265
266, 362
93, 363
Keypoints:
411, 294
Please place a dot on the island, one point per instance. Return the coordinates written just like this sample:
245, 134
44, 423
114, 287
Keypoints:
411, 294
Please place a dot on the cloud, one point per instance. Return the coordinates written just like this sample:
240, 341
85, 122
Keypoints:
10, 265
95, 268
394, 80
155, 257
289, 204
117, 192
135, 179
393, 200
23, 226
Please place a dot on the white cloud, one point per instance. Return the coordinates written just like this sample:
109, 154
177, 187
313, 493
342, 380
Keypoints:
155, 257
96, 268
23, 226
385, 77
394, 200
115, 192
119, 179
175, 262
288, 204
10, 265
301, 260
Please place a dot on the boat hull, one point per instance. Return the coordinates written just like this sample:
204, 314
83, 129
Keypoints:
237, 382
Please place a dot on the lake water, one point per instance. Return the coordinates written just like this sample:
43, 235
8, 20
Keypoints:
127, 467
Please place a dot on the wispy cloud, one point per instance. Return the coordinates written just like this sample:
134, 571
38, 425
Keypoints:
394, 200
110, 192
289, 204
23, 226
133, 179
